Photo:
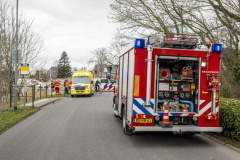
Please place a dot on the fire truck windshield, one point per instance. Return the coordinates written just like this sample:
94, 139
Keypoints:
81, 80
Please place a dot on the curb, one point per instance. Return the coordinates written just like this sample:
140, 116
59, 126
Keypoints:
220, 142
47, 103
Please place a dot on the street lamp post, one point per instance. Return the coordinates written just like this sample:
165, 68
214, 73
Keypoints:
182, 19
16, 63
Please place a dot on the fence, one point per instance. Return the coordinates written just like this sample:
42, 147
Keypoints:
33, 92
29, 94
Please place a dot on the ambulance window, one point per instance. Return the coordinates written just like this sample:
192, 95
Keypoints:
104, 81
81, 80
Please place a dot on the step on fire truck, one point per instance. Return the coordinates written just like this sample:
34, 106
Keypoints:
169, 83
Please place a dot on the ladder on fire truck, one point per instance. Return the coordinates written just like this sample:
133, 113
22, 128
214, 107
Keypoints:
175, 40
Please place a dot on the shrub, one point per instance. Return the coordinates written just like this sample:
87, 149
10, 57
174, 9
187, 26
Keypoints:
230, 117
236, 70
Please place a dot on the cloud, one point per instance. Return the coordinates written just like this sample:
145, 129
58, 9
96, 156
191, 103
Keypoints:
74, 26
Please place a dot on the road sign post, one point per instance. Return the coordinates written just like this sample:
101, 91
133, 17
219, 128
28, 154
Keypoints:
24, 71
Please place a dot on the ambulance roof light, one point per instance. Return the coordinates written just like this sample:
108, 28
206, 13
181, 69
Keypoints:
140, 43
216, 48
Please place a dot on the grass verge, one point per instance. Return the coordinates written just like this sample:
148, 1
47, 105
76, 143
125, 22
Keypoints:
9, 118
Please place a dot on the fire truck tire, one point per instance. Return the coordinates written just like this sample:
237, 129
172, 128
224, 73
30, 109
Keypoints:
114, 108
72, 96
126, 129
113, 101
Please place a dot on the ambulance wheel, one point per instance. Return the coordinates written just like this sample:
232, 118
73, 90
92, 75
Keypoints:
126, 128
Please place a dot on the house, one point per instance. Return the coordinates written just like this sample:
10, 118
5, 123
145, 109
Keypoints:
53, 71
101, 71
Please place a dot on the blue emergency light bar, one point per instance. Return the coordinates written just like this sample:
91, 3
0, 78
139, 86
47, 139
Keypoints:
216, 48
140, 43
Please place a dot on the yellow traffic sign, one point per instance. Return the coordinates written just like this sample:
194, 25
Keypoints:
24, 68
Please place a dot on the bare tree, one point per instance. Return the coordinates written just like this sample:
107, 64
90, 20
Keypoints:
101, 57
141, 18
214, 20
30, 43
116, 46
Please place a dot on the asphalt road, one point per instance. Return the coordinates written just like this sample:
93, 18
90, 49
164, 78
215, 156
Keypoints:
85, 128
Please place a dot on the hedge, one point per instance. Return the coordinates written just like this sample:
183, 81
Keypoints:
230, 117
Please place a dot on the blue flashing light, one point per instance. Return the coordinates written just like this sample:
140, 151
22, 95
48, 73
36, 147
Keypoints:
140, 43
73, 72
216, 48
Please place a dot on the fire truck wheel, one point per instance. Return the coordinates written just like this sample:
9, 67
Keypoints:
72, 96
114, 108
126, 129
123, 120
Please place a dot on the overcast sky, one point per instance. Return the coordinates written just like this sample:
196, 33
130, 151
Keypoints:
74, 26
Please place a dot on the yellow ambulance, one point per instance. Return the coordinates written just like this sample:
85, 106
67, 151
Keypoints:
82, 83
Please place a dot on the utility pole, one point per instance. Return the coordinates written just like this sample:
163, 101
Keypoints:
16, 68
182, 19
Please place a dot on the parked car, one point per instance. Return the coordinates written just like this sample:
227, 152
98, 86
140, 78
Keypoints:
38, 84
106, 84
21, 83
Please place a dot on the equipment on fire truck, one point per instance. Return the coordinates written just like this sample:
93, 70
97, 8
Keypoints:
215, 90
164, 73
165, 122
187, 72
180, 40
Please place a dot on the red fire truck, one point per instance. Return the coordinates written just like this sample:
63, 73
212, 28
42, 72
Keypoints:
169, 83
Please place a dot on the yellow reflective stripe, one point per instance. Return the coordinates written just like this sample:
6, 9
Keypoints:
136, 85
